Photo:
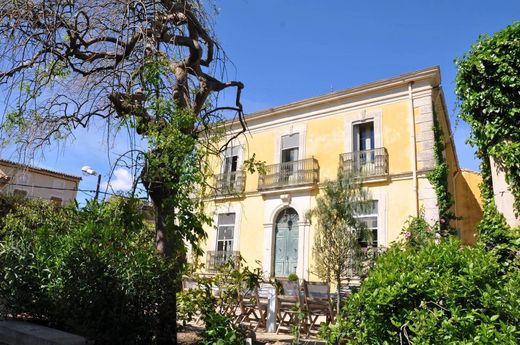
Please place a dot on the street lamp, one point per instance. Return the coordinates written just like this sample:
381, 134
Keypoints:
89, 171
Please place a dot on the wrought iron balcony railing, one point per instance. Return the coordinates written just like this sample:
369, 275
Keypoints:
368, 163
296, 173
230, 183
215, 259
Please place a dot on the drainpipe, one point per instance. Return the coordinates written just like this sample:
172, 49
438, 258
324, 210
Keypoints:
414, 148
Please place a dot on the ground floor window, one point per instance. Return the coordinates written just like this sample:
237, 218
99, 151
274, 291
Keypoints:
225, 231
369, 217
224, 246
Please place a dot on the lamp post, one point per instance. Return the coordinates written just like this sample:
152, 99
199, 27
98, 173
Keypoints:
89, 171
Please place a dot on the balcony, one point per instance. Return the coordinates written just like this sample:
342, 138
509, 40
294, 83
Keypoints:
366, 164
231, 183
289, 174
216, 259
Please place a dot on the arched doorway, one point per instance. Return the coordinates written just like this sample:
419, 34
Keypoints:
286, 243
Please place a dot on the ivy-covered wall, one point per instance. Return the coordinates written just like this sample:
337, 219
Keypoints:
439, 178
488, 90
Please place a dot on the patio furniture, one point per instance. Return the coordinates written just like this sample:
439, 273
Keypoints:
317, 303
253, 309
289, 305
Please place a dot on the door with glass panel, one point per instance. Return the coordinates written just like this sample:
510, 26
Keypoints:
230, 169
364, 147
289, 158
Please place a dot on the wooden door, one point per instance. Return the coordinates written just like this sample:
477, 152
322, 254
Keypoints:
286, 243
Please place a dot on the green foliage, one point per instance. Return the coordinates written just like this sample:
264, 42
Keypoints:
252, 164
488, 90
337, 249
438, 178
296, 327
190, 304
232, 279
417, 233
292, 277
177, 166
492, 228
93, 271
221, 331
441, 294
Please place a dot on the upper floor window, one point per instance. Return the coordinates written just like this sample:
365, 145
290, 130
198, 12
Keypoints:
364, 136
231, 160
290, 147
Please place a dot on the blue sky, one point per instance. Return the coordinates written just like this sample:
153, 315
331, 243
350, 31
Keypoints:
286, 50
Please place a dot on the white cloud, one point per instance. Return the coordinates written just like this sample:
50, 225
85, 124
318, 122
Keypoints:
121, 180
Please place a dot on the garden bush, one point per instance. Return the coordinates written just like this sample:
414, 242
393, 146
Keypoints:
92, 271
217, 311
438, 294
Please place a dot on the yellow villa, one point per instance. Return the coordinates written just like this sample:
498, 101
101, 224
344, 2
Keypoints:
382, 130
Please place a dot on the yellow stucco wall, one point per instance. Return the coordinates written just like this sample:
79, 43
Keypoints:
468, 204
325, 139
397, 137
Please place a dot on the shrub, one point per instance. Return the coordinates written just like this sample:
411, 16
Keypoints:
92, 271
443, 293
220, 330
218, 311
292, 277
417, 233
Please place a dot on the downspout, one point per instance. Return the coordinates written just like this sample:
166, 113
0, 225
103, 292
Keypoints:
414, 148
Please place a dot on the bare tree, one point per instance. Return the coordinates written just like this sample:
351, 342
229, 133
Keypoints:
152, 67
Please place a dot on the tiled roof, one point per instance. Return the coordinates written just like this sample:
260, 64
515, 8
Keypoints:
36, 169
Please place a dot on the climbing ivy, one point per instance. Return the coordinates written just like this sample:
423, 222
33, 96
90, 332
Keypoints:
488, 91
493, 229
438, 178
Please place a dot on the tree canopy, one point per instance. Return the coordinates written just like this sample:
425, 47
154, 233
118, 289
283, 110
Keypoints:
153, 68
337, 251
488, 90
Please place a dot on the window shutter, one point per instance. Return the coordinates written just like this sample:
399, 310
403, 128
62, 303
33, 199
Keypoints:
232, 151
290, 141
226, 219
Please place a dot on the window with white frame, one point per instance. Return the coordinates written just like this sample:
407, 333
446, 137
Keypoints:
289, 154
290, 147
368, 215
225, 232
364, 136
230, 163
229, 169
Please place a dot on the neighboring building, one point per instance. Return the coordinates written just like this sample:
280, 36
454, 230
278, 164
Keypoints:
33, 182
504, 199
381, 130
